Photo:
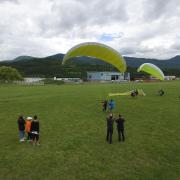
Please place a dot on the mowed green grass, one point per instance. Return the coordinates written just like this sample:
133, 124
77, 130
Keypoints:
73, 130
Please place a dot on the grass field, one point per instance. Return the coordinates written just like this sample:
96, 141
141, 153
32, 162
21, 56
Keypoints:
73, 130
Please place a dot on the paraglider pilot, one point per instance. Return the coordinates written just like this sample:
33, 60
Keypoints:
133, 94
110, 122
104, 104
111, 105
161, 92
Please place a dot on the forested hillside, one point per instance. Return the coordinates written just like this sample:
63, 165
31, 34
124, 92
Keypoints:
51, 66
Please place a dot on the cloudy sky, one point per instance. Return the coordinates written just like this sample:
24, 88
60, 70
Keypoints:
137, 28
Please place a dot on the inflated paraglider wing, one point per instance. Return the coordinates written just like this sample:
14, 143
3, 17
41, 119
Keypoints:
99, 51
151, 69
127, 93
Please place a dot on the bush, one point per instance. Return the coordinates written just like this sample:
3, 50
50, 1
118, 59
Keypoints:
9, 74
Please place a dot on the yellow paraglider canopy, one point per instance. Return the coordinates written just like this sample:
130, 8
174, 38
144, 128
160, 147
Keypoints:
99, 51
151, 69
127, 93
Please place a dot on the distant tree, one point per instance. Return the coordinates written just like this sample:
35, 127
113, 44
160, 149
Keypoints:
9, 74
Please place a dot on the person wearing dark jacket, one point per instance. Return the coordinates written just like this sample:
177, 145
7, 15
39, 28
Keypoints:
21, 127
120, 127
105, 102
110, 122
35, 131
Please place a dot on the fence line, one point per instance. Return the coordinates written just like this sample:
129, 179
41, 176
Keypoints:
35, 83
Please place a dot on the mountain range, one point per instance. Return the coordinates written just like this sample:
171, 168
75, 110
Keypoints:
172, 63
50, 66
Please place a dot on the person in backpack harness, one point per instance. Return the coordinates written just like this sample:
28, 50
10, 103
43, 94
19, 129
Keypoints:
110, 122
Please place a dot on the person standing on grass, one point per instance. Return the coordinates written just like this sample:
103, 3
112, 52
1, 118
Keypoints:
110, 122
111, 105
28, 128
120, 128
21, 127
105, 102
35, 131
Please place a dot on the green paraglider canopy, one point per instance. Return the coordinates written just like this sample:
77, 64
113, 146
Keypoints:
151, 69
99, 51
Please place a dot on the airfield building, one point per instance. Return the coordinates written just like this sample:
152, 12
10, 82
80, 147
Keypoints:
107, 76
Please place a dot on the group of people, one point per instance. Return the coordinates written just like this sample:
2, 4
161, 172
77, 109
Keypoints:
28, 129
110, 105
111, 119
120, 127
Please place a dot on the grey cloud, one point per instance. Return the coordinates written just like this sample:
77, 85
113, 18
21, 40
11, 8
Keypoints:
127, 51
24, 46
134, 49
155, 9
109, 12
176, 46
11, 1
79, 14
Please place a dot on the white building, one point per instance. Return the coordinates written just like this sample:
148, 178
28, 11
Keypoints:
107, 76
169, 77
